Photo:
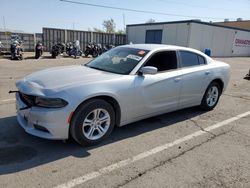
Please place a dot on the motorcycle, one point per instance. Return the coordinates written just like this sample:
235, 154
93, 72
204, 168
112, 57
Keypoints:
16, 51
107, 47
93, 49
248, 75
73, 49
1, 47
57, 49
38, 50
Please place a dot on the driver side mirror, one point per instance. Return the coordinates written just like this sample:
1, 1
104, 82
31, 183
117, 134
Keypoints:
148, 70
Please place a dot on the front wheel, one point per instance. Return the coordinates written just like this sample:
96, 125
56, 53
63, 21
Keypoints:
92, 122
86, 53
211, 96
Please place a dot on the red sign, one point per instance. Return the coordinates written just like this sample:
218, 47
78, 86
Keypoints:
242, 42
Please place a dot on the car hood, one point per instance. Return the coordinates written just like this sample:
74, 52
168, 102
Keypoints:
61, 77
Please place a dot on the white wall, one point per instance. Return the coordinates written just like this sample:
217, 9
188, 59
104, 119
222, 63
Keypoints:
220, 40
241, 44
175, 34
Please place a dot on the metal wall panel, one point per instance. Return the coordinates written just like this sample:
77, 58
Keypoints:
27, 40
136, 34
38, 37
220, 40
52, 36
120, 39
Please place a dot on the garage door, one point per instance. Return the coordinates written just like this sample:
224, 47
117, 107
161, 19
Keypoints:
153, 36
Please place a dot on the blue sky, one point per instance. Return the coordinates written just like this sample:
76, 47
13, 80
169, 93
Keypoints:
32, 15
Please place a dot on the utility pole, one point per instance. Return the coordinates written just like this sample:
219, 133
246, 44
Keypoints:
74, 31
4, 27
124, 24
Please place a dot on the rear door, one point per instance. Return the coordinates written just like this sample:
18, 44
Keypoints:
195, 78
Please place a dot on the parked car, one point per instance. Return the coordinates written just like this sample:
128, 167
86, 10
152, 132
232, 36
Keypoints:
126, 84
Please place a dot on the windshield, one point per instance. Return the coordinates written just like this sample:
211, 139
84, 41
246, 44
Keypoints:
120, 60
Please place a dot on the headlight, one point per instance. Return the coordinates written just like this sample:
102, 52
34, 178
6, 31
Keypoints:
50, 102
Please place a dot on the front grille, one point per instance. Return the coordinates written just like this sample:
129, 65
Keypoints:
29, 100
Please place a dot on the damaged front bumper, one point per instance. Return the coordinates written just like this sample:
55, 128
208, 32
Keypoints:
49, 123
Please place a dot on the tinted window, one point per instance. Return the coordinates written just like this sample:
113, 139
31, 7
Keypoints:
201, 60
188, 59
163, 61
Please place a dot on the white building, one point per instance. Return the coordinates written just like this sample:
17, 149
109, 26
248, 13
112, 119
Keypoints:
221, 40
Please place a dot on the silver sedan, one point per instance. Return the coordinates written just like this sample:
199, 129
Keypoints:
124, 85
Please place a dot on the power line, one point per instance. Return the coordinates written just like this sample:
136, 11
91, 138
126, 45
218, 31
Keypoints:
198, 6
136, 10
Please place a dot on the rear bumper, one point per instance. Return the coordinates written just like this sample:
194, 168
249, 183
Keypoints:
43, 122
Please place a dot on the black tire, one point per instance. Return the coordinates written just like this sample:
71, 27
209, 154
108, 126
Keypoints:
95, 54
21, 57
53, 55
38, 54
76, 128
204, 104
86, 54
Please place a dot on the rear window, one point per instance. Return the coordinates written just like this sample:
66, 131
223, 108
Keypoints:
189, 59
201, 60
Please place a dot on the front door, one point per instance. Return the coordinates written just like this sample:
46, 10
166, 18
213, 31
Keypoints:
159, 92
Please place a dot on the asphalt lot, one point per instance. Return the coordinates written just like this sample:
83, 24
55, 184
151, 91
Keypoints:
187, 148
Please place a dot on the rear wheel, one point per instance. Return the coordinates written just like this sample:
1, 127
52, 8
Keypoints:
53, 55
211, 96
95, 54
93, 121
20, 57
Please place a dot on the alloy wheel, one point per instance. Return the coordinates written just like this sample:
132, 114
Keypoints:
96, 124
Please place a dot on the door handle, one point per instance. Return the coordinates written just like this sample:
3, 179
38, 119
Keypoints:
177, 79
207, 72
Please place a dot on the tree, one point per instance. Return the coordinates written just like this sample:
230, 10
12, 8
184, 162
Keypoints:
121, 31
109, 26
98, 30
150, 21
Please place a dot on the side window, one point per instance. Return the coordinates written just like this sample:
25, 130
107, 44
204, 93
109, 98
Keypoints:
163, 61
188, 59
202, 60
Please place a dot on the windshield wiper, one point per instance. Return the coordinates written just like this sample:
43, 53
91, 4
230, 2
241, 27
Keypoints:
96, 68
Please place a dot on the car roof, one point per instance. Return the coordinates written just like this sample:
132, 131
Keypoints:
154, 47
